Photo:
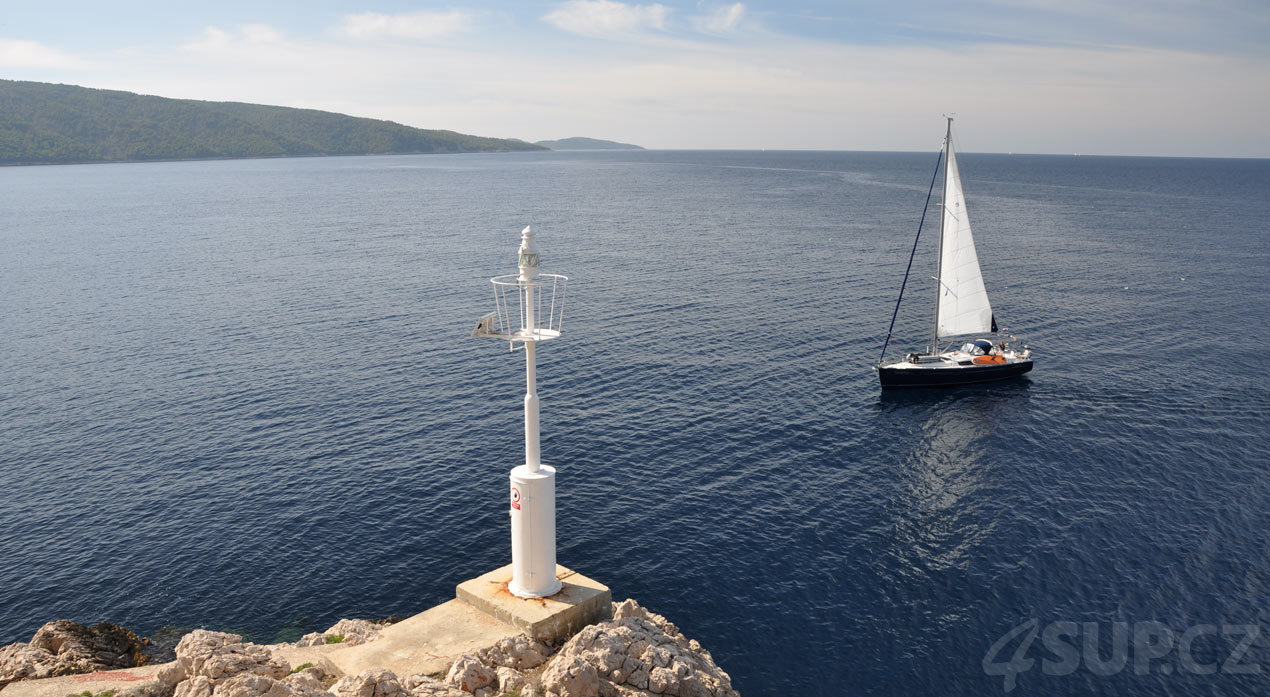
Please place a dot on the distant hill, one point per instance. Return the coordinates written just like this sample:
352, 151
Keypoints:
41, 123
585, 144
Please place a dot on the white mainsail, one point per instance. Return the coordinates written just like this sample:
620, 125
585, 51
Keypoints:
963, 301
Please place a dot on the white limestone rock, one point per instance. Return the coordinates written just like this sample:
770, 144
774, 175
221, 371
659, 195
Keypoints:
571, 675
309, 679
636, 653
351, 633
425, 686
311, 639
510, 679
249, 685
371, 683
468, 673
519, 652
23, 662
252, 685
628, 608
197, 686
218, 656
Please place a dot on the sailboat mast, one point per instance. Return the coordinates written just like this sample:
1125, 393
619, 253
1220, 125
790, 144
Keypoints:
939, 258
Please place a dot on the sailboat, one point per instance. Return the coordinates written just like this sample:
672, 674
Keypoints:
962, 309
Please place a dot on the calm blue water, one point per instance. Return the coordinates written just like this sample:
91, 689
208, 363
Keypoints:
241, 395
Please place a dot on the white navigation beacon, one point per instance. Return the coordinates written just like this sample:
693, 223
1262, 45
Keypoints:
529, 307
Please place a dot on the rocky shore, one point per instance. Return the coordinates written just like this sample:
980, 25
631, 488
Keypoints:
66, 648
636, 654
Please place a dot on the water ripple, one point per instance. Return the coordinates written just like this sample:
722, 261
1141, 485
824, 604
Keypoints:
245, 399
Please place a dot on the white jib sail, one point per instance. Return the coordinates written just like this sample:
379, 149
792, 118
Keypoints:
963, 302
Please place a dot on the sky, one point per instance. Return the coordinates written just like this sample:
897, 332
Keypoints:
1113, 77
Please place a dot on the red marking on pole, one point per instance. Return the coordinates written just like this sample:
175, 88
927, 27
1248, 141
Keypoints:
516, 498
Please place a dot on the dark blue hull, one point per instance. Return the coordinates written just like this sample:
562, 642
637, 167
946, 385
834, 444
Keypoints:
949, 376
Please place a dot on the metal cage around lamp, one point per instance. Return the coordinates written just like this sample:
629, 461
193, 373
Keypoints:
526, 310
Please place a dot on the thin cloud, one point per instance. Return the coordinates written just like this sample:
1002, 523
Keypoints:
724, 20
216, 39
607, 17
18, 53
419, 26
255, 49
261, 34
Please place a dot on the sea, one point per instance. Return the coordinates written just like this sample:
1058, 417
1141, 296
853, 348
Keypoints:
243, 395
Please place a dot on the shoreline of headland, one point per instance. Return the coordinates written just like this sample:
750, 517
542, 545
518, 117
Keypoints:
451, 650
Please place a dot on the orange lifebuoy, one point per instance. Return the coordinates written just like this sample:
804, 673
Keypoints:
989, 360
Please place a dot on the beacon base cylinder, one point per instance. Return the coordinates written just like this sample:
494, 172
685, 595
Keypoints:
533, 514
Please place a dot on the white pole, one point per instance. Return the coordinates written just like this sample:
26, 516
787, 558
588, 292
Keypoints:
528, 273
532, 461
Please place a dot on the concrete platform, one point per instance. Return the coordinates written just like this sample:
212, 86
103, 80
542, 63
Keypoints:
581, 601
426, 643
118, 680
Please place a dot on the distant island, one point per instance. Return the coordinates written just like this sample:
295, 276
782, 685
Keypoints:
42, 123
585, 144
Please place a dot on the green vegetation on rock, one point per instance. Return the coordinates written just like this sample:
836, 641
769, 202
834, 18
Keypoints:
42, 123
